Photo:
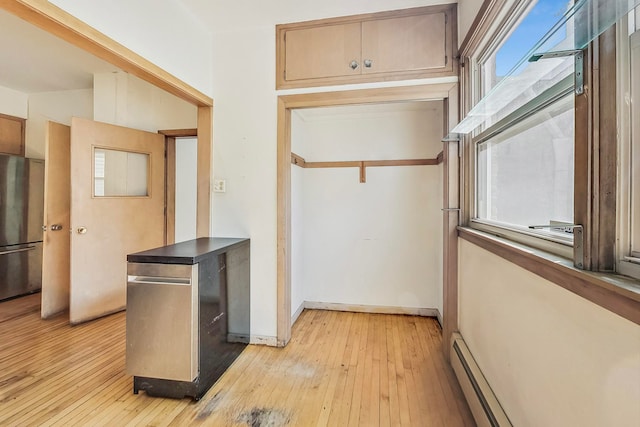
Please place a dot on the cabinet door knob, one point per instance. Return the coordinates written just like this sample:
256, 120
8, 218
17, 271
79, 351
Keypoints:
368, 63
353, 64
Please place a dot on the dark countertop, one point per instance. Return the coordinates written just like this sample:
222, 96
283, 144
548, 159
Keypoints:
189, 252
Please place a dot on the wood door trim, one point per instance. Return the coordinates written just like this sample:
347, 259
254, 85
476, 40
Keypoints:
323, 99
56, 21
179, 133
170, 139
170, 190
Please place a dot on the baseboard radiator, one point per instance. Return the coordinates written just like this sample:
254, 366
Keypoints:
483, 403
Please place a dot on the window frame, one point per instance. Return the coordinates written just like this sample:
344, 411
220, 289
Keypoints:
627, 260
616, 293
473, 80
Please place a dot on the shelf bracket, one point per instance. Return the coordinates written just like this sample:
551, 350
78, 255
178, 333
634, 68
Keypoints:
579, 64
579, 72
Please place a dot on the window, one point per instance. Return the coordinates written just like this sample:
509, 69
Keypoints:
119, 173
524, 151
629, 183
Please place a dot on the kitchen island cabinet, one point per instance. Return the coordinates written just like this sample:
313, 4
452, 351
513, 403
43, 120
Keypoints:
188, 314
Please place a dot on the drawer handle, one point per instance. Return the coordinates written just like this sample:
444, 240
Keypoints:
30, 248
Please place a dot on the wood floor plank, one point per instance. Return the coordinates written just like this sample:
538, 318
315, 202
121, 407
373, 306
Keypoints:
343, 369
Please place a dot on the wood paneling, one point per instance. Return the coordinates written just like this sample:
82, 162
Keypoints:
339, 369
170, 190
405, 44
12, 133
324, 51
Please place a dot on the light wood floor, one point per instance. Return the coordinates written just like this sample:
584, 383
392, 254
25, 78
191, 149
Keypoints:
340, 369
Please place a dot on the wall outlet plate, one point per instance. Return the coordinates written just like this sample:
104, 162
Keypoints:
219, 186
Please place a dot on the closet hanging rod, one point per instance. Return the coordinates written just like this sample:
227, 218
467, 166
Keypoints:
363, 164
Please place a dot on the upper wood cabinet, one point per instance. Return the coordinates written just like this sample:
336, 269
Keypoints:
403, 44
12, 132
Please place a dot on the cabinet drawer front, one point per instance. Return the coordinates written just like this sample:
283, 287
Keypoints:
324, 51
410, 43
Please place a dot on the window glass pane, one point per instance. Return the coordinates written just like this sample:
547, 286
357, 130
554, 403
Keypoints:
525, 174
635, 142
119, 173
526, 80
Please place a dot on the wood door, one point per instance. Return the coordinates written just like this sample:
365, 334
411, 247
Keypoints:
114, 212
56, 240
324, 51
409, 43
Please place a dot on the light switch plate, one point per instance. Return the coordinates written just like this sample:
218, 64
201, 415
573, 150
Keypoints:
219, 186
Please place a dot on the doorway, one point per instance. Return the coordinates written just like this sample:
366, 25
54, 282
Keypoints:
445, 93
367, 240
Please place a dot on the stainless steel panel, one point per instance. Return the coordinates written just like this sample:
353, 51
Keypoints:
162, 321
35, 200
21, 200
159, 270
20, 269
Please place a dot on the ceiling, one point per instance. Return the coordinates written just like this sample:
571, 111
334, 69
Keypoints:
35, 61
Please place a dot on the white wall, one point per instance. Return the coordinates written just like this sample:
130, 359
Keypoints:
186, 186
467, 11
125, 100
551, 357
242, 82
57, 107
245, 126
163, 31
13, 103
377, 243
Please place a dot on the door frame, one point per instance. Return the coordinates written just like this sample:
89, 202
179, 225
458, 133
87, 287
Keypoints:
446, 92
59, 23
170, 136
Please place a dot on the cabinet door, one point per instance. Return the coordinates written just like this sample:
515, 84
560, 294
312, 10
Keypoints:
324, 51
409, 43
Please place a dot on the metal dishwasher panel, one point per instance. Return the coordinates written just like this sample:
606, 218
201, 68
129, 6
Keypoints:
162, 321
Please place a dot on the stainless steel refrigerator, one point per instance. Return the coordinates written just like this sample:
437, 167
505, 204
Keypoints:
21, 220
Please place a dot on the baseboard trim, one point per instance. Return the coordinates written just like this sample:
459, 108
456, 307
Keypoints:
483, 403
378, 309
263, 340
298, 312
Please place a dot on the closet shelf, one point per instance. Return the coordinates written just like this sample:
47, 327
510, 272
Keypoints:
364, 164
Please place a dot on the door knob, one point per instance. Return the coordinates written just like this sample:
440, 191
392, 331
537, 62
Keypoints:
56, 227
368, 63
353, 64
82, 230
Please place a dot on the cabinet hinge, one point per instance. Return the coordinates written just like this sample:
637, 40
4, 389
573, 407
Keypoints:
446, 19
446, 60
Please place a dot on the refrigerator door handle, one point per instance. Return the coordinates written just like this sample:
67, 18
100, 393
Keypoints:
29, 248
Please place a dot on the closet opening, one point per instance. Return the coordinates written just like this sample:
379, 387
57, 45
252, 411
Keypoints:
362, 196
366, 200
